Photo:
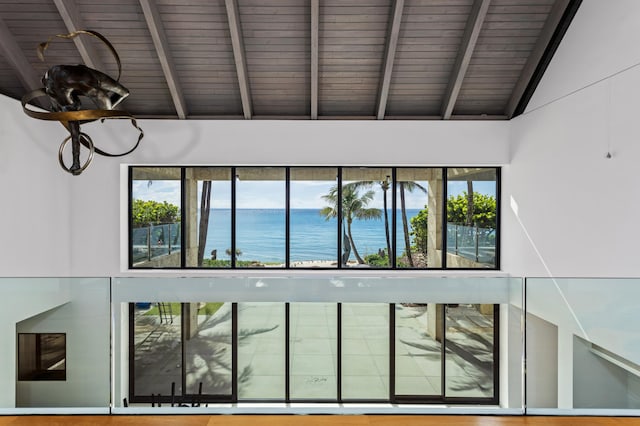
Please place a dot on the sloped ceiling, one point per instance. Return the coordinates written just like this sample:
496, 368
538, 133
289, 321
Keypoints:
296, 59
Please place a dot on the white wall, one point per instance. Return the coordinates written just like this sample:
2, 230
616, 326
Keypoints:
35, 203
263, 143
85, 321
567, 210
601, 41
19, 295
63, 225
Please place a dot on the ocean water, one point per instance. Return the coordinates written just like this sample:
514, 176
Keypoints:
260, 234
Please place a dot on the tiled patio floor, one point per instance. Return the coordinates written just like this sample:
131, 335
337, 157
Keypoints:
313, 343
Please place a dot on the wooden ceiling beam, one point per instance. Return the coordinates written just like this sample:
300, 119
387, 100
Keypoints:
13, 54
233, 17
469, 39
70, 14
390, 55
555, 16
315, 34
154, 23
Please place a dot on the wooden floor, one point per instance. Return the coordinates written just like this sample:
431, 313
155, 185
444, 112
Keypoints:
320, 420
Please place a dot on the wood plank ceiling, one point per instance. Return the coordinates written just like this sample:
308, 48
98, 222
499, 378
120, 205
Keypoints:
297, 59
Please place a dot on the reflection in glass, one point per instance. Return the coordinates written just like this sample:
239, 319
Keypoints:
155, 217
366, 233
471, 218
365, 351
260, 217
261, 351
208, 348
469, 351
157, 349
313, 346
418, 370
313, 231
208, 196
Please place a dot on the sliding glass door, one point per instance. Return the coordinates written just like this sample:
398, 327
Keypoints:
418, 351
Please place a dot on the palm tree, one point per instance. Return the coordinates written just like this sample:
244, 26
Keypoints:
409, 186
470, 206
354, 206
385, 185
205, 210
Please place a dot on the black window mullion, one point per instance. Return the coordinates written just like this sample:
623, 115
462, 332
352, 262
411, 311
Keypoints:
233, 217
183, 218
130, 217
234, 352
339, 352
287, 243
339, 215
445, 197
443, 352
498, 216
394, 247
496, 352
287, 355
183, 349
392, 352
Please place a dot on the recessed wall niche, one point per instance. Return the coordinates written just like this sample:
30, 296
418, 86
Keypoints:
42, 356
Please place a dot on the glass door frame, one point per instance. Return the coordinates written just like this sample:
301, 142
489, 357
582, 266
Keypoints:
189, 399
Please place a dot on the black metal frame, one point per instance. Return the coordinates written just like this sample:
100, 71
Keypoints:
186, 398
339, 266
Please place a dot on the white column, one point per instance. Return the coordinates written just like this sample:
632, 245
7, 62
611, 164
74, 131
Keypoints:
565, 367
191, 213
434, 220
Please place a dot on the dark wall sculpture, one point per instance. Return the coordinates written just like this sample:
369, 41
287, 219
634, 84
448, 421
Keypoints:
64, 87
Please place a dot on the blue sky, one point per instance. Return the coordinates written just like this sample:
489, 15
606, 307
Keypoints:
269, 194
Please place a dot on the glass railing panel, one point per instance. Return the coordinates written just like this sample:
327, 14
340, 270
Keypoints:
362, 305
55, 354
591, 357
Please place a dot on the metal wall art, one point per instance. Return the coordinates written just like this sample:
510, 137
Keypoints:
64, 85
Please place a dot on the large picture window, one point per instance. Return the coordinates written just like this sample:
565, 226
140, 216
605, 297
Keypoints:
314, 217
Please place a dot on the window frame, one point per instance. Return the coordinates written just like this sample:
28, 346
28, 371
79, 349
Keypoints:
287, 265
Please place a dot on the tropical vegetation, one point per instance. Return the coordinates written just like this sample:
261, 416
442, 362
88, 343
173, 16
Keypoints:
481, 214
354, 206
146, 212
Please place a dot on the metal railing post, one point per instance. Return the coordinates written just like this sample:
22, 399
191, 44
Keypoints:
456, 239
149, 242
477, 245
